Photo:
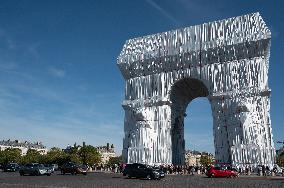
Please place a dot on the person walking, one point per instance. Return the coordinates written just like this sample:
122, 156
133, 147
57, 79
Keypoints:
267, 171
263, 170
192, 170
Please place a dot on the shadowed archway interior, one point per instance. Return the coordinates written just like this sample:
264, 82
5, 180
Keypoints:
182, 93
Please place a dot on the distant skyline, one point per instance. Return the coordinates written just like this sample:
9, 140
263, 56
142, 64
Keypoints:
59, 82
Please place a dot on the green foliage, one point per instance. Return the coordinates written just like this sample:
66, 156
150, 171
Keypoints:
89, 155
56, 156
206, 160
115, 160
10, 155
74, 157
280, 161
2, 157
32, 156
86, 155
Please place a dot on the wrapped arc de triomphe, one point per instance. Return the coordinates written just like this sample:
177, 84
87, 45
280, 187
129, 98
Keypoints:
226, 61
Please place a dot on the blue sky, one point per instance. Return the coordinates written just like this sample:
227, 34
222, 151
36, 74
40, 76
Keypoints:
59, 82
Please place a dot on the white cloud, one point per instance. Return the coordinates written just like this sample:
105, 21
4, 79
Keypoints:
61, 130
74, 122
60, 73
163, 11
7, 66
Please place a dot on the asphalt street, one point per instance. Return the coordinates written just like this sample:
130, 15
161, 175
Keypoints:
14, 180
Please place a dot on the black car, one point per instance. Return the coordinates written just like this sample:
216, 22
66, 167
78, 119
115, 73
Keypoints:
73, 169
34, 169
11, 167
140, 171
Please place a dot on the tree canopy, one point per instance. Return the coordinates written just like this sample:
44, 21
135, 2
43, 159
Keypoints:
115, 160
10, 155
86, 154
206, 160
89, 155
280, 161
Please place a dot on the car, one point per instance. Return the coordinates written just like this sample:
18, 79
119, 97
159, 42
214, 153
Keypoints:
277, 169
220, 172
55, 167
11, 167
140, 171
50, 167
34, 169
161, 172
73, 169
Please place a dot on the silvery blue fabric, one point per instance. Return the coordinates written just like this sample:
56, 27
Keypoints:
226, 61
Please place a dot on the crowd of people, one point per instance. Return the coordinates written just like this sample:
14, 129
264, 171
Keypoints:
260, 170
167, 169
183, 169
266, 171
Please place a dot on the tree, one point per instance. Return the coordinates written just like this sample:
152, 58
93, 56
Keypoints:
2, 158
74, 157
56, 156
206, 160
280, 161
89, 155
10, 155
114, 160
32, 156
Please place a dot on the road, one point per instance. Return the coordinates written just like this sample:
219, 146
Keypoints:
14, 180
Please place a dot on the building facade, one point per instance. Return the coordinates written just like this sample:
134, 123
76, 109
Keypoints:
106, 152
193, 158
23, 146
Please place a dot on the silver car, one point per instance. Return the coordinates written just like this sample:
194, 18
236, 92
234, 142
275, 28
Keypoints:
35, 169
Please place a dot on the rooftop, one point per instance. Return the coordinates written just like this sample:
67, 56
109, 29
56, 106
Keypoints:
17, 143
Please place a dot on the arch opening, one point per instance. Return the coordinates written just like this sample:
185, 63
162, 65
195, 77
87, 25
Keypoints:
198, 131
182, 93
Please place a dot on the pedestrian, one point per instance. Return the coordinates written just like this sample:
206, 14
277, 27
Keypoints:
179, 169
263, 170
171, 169
184, 169
244, 170
259, 169
188, 169
192, 170
267, 171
